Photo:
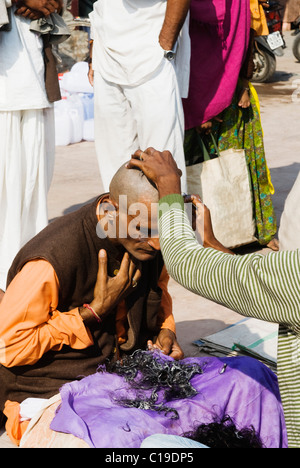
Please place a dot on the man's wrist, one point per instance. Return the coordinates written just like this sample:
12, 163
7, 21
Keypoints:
89, 317
168, 186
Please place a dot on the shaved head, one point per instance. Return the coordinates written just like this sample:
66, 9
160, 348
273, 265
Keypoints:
134, 184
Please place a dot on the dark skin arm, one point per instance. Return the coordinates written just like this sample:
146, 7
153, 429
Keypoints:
109, 292
176, 13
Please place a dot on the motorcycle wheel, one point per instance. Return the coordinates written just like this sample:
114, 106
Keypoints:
264, 66
296, 47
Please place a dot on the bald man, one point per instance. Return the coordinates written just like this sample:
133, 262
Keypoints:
87, 289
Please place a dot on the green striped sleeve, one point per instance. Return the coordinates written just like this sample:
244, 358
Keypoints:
266, 287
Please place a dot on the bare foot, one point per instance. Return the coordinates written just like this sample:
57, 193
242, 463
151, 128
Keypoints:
273, 244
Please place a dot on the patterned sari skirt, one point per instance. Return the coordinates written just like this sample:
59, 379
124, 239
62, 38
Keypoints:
241, 129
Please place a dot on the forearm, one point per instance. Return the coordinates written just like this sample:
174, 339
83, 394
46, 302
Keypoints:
26, 346
174, 19
253, 285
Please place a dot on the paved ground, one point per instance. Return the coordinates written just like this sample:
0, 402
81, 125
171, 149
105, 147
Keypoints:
77, 180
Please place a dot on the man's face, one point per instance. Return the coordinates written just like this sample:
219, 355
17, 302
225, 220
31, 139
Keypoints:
137, 230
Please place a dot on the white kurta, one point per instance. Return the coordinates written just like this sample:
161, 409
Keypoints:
137, 91
27, 141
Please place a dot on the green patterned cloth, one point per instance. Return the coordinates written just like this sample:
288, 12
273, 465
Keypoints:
241, 129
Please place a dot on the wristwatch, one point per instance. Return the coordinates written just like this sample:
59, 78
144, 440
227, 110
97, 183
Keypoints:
169, 54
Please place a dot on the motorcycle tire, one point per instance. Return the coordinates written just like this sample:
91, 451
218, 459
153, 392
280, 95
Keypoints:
264, 66
296, 47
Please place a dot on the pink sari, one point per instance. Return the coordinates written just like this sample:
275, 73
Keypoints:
219, 31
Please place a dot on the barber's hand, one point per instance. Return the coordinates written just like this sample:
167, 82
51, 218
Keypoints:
160, 168
166, 342
202, 224
108, 291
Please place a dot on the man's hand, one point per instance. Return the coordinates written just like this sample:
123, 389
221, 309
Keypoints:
160, 168
166, 342
202, 224
34, 9
108, 291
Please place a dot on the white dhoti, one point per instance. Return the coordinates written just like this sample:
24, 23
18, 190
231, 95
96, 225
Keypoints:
129, 118
26, 169
27, 144
137, 91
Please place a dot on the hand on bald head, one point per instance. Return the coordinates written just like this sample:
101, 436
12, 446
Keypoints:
133, 184
133, 221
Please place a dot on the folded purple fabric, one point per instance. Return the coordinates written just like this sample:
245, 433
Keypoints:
240, 387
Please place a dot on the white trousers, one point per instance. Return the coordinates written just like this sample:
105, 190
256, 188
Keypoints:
27, 152
128, 118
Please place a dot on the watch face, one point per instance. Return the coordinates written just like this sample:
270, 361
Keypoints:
170, 55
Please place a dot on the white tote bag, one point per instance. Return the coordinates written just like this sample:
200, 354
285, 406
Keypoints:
223, 184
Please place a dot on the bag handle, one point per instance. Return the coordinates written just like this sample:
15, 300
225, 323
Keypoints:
206, 155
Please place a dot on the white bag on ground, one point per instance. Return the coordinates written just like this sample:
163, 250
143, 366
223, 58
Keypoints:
223, 184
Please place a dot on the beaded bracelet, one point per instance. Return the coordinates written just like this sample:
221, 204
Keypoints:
87, 306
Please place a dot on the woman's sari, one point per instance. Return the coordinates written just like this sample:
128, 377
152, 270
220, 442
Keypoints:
241, 129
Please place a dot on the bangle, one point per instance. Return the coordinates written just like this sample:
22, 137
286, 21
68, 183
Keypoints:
87, 306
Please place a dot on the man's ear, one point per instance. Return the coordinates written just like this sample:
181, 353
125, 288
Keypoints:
107, 210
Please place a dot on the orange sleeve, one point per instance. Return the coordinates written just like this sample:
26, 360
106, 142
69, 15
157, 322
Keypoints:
30, 324
14, 427
165, 316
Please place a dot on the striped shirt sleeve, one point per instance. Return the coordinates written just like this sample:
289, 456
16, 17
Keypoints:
266, 287
262, 286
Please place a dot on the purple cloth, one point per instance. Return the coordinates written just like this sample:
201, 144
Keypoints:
247, 391
219, 31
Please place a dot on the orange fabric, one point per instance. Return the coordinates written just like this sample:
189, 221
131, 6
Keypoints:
30, 324
14, 427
